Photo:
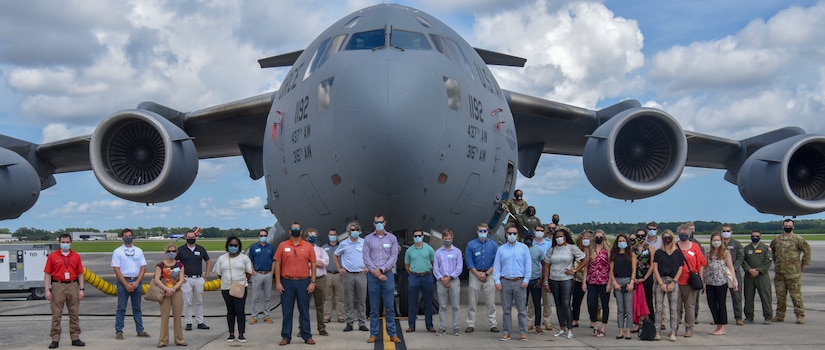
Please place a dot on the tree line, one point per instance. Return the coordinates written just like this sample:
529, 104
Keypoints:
36, 234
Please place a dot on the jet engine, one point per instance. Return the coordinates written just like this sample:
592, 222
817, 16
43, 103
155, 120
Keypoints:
19, 185
638, 153
140, 156
786, 177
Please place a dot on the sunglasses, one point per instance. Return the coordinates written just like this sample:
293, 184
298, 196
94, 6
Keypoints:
379, 222
171, 251
539, 230
756, 236
483, 231
418, 235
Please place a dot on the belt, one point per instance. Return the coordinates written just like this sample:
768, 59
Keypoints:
387, 271
319, 277
129, 278
264, 272
355, 271
422, 273
295, 278
513, 279
192, 276
56, 281
333, 272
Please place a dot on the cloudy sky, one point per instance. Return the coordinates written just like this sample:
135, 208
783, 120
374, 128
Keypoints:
728, 68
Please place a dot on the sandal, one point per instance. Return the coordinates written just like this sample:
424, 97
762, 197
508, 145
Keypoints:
595, 332
600, 334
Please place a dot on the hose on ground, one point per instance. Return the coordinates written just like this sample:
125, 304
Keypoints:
95, 281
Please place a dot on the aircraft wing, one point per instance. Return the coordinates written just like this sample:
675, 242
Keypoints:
633, 152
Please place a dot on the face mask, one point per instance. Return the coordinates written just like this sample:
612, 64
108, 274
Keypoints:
355, 233
531, 213
518, 197
128, 240
512, 238
539, 234
726, 234
651, 233
233, 249
528, 241
295, 232
560, 241
716, 244
632, 241
556, 221
65, 246
667, 240
263, 239
755, 239
379, 226
171, 255
788, 229
585, 242
446, 243
482, 236
418, 239
622, 245
684, 236
599, 240
333, 238
190, 241
312, 239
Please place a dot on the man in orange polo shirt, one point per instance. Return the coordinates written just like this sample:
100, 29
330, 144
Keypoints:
295, 280
64, 284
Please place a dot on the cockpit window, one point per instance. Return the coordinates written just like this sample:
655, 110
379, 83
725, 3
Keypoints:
366, 40
352, 22
327, 48
409, 40
453, 51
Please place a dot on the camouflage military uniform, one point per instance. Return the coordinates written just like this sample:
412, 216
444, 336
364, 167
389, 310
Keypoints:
759, 258
516, 207
788, 278
530, 222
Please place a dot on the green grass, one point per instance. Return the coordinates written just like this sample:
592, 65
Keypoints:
217, 244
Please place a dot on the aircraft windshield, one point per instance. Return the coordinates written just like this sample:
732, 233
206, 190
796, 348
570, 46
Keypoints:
409, 40
366, 40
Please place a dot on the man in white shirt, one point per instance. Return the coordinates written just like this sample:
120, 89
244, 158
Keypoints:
129, 265
321, 262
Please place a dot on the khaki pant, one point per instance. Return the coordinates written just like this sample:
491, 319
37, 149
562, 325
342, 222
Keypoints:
334, 290
487, 292
175, 305
318, 296
789, 284
65, 294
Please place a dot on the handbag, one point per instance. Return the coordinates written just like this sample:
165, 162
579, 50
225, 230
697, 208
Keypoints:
729, 276
694, 280
237, 289
154, 293
648, 329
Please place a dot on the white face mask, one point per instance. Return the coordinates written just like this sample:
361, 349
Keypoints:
586, 242
560, 240
716, 244
512, 237
539, 234
727, 234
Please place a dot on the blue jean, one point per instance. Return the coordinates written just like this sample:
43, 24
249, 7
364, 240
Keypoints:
122, 298
562, 291
382, 291
295, 291
425, 285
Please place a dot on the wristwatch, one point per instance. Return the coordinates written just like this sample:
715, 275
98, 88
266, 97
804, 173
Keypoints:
312, 281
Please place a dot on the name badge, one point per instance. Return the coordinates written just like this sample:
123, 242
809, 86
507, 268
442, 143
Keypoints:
136, 259
287, 250
750, 252
257, 250
758, 251
477, 253
66, 275
730, 247
386, 246
197, 253
450, 256
359, 248
327, 248
691, 253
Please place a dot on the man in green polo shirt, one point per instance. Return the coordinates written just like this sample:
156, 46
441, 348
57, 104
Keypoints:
418, 261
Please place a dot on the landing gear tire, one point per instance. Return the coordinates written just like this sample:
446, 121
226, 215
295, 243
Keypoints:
38, 293
402, 287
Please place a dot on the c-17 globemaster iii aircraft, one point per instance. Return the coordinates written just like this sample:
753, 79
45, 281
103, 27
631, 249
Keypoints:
389, 111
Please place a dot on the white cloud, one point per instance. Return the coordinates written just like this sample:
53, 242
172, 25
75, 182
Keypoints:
594, 203
205, 202
551, 178
247, 203
60, 131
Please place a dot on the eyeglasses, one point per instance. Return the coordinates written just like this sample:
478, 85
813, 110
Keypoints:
482, 230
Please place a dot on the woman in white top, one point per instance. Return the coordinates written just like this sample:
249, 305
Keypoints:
557, 275
716, 281
234, 267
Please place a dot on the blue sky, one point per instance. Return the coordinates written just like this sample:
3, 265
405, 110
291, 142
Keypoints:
728, 68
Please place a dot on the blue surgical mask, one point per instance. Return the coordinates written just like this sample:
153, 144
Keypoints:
511, 238
233, 249
333, 238
65, 246
263, 239
312, 239
447, 243
418, 239
355, 233
727, 234
586, 242
622, 245
482, 236
651, 233
171, 255
379, 226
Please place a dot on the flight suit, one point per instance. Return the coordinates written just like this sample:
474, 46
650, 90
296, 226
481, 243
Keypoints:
736, 256
788, 276
760, 258
530, 222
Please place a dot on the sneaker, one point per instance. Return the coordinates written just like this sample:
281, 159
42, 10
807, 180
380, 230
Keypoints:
560, 333
672, 337
440, 332
688, 332
767, 321
241, 339
657, 337
523, 337
324, 333
739, 322
231, 338
119, 336
569, 334
538, 330
267, 320
188, 327
748, 321
455, 332
505, 337
469, 330
253, 321
202, 326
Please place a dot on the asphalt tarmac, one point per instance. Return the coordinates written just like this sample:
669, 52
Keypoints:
24, 324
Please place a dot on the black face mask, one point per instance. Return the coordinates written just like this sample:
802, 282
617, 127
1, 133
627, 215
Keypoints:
295, 232
528, 241
190, 240
531, 213
667, 240
599, 240
788, 229
631, 241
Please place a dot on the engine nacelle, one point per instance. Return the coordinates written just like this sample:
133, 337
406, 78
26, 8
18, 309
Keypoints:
19, 185
638, 153
786, 177
140, 156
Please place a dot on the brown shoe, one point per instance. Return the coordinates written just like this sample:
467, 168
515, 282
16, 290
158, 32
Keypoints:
538, 330
550, 327
505, 337
310, 341
326, 320
494, 329
283, 342
800, 320
529, 328
410, 330
688, 332
267, 320
523, 337
431, 330
395, 339
469, 330
372, 339
253, 320
740, 322
143, 335
340, 320
119, 336
778, 319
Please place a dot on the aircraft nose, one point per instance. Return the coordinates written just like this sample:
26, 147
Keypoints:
388, 119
